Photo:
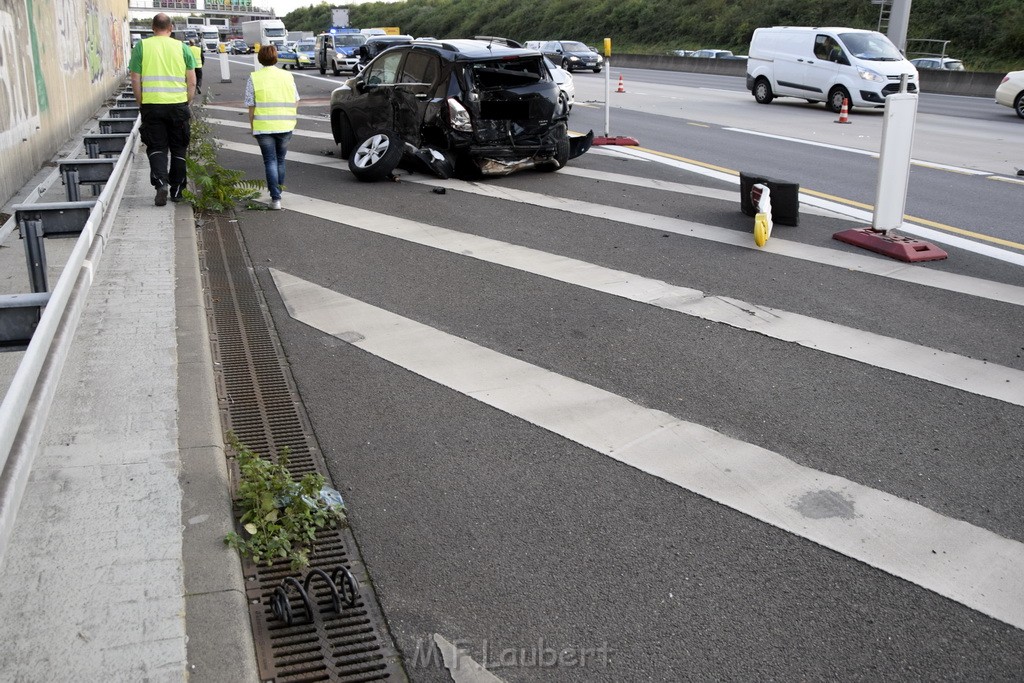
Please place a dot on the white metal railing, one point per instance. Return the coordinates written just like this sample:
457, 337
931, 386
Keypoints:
25, 407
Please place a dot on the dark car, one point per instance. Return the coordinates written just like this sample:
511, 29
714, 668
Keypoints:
571, 55
238, 47
374, 45
453, 106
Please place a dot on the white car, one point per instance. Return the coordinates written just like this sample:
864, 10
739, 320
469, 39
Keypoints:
565, 83
942, 63
1010, 92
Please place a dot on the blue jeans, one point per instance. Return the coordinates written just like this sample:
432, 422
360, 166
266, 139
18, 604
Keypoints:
274, 147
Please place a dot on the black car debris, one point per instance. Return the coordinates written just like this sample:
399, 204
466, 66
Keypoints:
454, 107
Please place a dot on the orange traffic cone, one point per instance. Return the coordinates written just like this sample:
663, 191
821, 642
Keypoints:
844, 112
622, 87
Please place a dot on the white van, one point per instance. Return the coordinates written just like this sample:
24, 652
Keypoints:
826, 65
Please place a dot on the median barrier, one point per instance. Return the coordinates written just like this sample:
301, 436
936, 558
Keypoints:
970, 83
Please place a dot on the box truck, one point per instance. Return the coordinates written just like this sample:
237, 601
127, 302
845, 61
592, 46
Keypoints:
210, 37
826, 65
264, 32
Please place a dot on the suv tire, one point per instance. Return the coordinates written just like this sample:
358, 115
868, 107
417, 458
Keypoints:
345, 136
334, 68
561, 157
376, 156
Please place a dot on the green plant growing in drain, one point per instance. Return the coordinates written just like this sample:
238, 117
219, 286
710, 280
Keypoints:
279, 514
213, 187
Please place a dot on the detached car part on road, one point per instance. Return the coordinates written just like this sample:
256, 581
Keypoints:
461, 106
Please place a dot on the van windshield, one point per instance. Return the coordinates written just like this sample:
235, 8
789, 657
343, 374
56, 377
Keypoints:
871, 46
349, 40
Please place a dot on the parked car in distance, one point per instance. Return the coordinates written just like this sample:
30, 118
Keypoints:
682, 53
571, 55
238, 47
1010, 92
943, 63
565, 83
453, 106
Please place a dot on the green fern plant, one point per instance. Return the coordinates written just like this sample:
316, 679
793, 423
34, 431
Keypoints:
213, 187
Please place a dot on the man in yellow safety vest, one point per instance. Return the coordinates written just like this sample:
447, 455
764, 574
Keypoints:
272, 98
197, 54
164, 82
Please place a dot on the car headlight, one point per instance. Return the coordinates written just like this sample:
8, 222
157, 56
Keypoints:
574, 58
869, 75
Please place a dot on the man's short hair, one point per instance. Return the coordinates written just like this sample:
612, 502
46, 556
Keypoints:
161, 22
267, 55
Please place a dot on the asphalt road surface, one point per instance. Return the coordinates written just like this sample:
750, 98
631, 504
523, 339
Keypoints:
588, 431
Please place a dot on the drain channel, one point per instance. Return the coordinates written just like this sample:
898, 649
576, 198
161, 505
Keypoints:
259, 403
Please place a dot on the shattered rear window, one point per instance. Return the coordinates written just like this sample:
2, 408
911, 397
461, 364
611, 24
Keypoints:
507, 73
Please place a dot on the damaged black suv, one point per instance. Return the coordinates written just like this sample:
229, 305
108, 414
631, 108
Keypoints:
455, 106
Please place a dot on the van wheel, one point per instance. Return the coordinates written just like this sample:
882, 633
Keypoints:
763, 91
334, 69
376, 156
835, 99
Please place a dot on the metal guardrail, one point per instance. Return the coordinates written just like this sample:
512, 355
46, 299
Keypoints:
25, 408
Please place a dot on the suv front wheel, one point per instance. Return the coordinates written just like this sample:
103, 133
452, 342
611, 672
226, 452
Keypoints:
376, 156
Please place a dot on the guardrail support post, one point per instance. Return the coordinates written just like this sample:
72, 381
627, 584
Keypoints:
35, 253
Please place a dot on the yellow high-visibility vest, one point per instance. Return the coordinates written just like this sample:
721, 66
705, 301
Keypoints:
276, 109
197, 52
163, 71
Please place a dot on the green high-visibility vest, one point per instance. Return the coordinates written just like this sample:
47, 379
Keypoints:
276, 109
197, 52
163, 71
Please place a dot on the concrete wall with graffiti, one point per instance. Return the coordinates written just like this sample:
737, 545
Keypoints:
59, 61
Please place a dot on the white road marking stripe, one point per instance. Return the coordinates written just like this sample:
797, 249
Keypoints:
776, 245
960, 561
680, 188
854, 150
297, 132
858, 214
880, 267
948, 369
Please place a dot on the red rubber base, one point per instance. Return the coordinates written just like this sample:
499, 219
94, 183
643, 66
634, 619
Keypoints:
618, 140
901, 248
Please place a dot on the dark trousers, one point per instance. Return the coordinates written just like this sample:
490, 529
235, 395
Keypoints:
166, 132
199, 80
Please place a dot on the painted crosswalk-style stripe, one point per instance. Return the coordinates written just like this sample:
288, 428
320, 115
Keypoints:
960, 561
879, 267
948, 369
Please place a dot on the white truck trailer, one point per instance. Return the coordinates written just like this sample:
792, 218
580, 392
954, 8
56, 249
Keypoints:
264, 32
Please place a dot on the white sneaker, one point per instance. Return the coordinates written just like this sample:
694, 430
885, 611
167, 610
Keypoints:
275, 205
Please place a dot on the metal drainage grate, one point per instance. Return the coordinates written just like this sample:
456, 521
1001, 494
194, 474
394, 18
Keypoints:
259, 403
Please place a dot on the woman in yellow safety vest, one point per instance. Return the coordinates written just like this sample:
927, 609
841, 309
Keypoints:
272, 99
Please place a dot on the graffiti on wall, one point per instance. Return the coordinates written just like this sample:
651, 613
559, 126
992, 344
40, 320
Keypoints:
19, 106
52, 48
68, 33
